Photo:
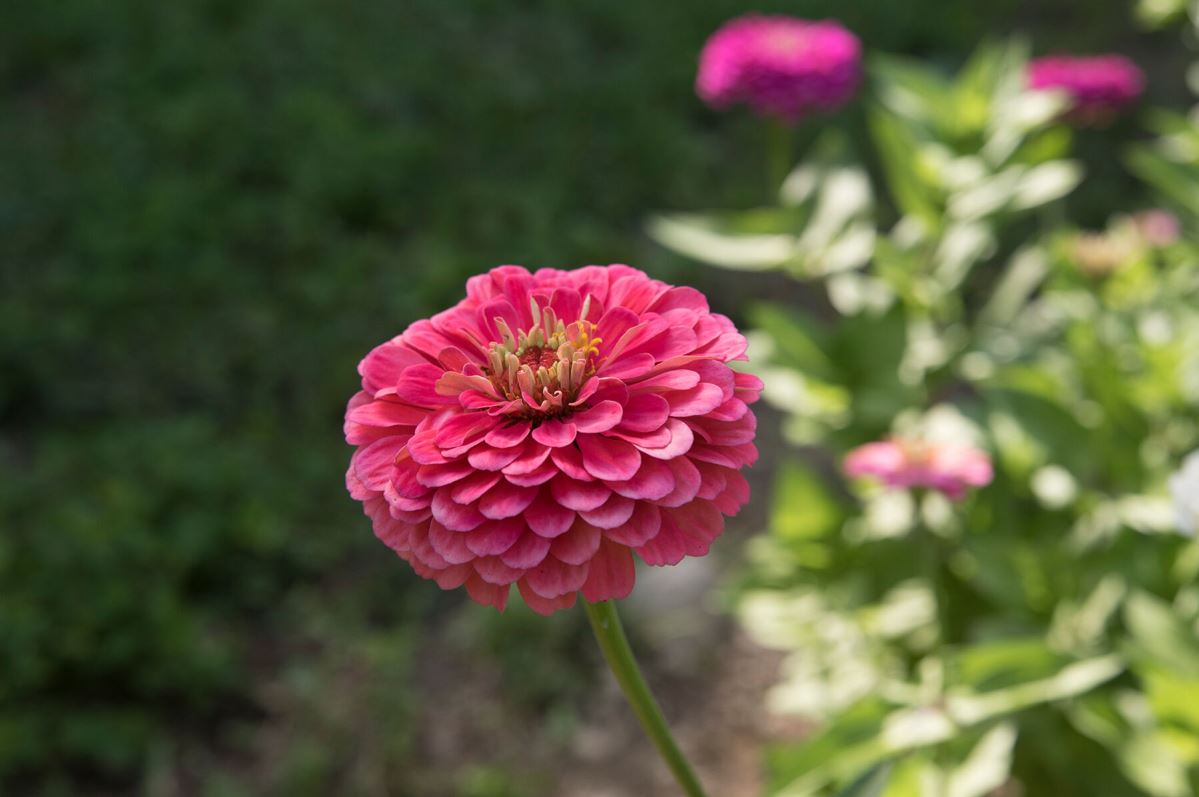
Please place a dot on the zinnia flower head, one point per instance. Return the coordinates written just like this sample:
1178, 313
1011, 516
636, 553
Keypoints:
1184, 487
1098, 87
548, 427
1157, 227
1101, 254
903, 463
780, 66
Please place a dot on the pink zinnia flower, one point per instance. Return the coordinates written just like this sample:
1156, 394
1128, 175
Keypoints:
547, 427
1098, 86
780, 66
949, 469
1157, 227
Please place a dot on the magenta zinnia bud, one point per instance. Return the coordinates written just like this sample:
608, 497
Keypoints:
1097, 87
898, 463
548, 427
780, 66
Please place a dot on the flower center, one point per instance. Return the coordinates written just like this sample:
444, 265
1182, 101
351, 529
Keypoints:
544, 366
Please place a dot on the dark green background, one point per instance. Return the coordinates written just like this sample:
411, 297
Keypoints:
209, 211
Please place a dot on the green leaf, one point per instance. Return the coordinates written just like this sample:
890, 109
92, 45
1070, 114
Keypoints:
804, 509
1074, 679
800, 341
870, 784
754, 240
1160, 635
987, 767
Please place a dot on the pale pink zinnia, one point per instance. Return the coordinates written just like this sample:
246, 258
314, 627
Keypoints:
547, 427
780, 66
1157, 227
901, 464
1098, 87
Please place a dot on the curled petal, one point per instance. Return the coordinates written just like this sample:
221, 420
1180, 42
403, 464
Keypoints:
609, 458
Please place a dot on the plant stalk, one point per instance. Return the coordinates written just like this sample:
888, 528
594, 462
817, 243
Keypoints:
609, 632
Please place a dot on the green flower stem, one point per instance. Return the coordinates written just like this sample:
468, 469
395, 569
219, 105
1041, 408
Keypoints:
780, 138
932, 558
605, 622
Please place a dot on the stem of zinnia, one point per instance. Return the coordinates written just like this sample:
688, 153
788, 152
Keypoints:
605, 622
779, 139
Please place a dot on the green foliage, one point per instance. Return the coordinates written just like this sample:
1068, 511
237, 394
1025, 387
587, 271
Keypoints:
1042, 631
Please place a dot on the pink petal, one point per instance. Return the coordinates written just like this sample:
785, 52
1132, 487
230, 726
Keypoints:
642, 527
616, 322
422, 447
374, 465
615, 512
687, 481
653, 480
681, 440
658, 438
579, 496
506, 500
645, 412
533, 455
678, 379
487, 594
555, 433
494, 537
527, 551
701, 399
544, 472
611, 574
385, 364
548, 518
453, 577
608, 458
510, 435
699, 519
668, 547
387, 413
627, 366
567, 304
577, 545
455, 517
418, 385
441, 475
681, 298
570, 461
453, 358
484, 457
552, 578
473, 487
450, 545
545, 606
712, 479
600, 418
493, 570
735, 494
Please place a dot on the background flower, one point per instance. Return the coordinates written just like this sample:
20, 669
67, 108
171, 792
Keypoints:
548, 426
901, 463
780, 66
1098, 86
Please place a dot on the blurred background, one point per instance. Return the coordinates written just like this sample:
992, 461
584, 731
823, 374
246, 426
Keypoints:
209, 211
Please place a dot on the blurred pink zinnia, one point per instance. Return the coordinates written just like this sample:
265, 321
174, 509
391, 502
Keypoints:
780, 66
1097, 86
1157, 227
949, 469
548, 426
